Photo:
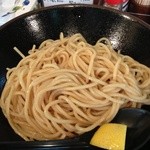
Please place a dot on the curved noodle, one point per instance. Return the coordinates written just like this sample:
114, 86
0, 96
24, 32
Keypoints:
67, 87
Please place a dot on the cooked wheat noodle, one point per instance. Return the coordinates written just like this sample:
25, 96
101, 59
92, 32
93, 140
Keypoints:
68, 87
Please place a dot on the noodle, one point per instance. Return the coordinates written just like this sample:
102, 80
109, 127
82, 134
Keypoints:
68, 87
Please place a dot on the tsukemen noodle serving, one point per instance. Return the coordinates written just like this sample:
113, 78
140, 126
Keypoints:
67, 87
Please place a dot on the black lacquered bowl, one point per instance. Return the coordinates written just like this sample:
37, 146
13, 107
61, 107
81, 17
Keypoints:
126, 33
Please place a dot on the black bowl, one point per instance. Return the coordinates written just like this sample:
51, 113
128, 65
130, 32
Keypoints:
126, 33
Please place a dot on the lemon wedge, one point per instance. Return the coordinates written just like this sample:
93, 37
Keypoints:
111, 136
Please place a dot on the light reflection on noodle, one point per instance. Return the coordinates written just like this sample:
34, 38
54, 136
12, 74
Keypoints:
67, 87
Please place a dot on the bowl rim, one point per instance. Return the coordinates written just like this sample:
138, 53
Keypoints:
126, 15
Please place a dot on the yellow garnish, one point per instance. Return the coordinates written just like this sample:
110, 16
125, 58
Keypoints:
110, 136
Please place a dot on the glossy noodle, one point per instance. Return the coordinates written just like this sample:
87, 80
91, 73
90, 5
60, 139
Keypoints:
67, 87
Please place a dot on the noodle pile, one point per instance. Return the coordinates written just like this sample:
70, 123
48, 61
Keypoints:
67, 87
